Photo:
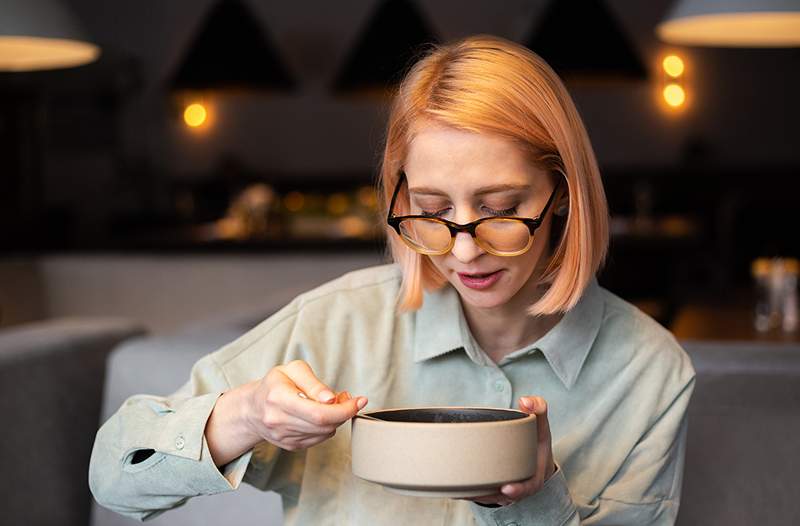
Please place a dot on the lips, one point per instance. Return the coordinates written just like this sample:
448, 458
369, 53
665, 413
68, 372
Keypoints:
479, 280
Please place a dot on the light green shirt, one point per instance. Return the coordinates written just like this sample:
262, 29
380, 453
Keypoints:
617, 385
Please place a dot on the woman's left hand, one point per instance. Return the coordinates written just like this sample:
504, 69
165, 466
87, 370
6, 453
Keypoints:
545, 466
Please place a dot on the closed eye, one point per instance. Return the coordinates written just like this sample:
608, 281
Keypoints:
436, 213
501, 213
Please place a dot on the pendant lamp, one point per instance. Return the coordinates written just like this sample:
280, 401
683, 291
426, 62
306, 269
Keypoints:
732, 23
41, 34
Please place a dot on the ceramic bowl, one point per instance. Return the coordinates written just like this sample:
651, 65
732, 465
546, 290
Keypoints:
444, 451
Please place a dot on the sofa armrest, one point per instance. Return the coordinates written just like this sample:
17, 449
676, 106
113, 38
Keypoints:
51, 383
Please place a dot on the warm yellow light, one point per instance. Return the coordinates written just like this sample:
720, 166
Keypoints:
195, 115
338, 203
674, 95
20, 53
748, 29
294, 201
673, 65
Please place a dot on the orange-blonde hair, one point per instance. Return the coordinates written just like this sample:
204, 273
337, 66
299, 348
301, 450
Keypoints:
486, 84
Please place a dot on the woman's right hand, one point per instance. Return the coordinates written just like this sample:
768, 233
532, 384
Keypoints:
270, 409
279, 414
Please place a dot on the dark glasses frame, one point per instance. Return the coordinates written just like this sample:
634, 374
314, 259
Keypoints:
531, 222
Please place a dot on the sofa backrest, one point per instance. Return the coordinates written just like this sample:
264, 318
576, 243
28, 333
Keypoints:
51, 380
743, 453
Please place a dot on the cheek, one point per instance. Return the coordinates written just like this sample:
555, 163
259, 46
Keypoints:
526, 264
438, 263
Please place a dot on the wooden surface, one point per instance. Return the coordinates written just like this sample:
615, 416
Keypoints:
724, 322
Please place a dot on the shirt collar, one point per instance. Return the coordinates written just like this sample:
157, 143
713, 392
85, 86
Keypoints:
442, 328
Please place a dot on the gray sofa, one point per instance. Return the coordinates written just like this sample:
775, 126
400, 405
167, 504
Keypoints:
51, 382
743, 453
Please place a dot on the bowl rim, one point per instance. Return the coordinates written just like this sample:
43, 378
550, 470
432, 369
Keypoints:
377, 421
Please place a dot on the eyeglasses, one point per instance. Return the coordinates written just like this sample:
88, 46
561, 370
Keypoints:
434, 236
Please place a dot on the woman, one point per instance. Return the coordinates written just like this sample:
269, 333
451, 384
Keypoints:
498, 225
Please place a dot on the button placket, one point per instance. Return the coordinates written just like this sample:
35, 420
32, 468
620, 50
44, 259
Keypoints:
502, 387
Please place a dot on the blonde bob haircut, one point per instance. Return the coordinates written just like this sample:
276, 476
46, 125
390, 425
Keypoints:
486, 84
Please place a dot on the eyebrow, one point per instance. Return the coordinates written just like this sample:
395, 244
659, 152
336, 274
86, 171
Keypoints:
425, 190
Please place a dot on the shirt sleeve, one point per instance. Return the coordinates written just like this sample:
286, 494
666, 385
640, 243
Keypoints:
645, 490
171, 430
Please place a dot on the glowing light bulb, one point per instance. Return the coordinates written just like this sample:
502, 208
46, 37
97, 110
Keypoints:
673, 65
674, 95
195, 115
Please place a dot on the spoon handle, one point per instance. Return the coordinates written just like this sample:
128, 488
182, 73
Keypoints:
362, 415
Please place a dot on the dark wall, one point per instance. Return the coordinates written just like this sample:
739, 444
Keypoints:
742, 106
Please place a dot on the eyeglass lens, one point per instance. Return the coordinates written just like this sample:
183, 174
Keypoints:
498, 235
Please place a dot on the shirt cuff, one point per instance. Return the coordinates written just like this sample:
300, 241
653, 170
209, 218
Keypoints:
183, 437
550, 506
224, 478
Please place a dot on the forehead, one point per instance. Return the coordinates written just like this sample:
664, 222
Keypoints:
441, 156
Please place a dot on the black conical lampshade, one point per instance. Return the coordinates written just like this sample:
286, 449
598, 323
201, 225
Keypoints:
582, 41
231, 51
394, 36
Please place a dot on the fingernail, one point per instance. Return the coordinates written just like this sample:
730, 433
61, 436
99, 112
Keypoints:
507, 490
361, 402
526, 402
326, 396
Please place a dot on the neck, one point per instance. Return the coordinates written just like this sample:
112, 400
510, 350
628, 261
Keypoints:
504, 329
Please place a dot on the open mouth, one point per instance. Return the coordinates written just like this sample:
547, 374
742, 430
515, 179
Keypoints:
479, 281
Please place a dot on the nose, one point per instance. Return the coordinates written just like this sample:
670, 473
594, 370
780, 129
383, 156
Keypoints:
465, 249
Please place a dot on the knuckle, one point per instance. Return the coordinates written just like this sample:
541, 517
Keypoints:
295, 365
271, 418
317, 418
272, 397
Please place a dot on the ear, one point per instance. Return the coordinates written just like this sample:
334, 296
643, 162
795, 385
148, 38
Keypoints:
562, 205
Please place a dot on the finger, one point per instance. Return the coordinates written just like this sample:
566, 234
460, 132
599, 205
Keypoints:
516, 490
297, 426
537, 406
307, 442
545, 449
315, 412
343, 397
303, 377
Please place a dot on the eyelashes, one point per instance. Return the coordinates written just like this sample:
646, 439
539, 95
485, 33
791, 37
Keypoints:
490, 211
439, 213
503, 213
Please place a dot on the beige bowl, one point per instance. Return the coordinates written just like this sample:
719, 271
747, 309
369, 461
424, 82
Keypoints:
444, 451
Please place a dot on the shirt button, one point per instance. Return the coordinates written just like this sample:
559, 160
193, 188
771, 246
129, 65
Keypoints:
180, 442
512, 524
499, 385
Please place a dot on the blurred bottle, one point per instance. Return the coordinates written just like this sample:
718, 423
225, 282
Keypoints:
776, 294
766, 315
789, 315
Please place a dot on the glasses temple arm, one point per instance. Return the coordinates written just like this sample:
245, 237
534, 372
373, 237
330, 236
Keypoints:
395, 194
550, 201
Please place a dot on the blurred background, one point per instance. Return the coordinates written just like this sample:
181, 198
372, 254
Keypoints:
250, 129
190, 166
